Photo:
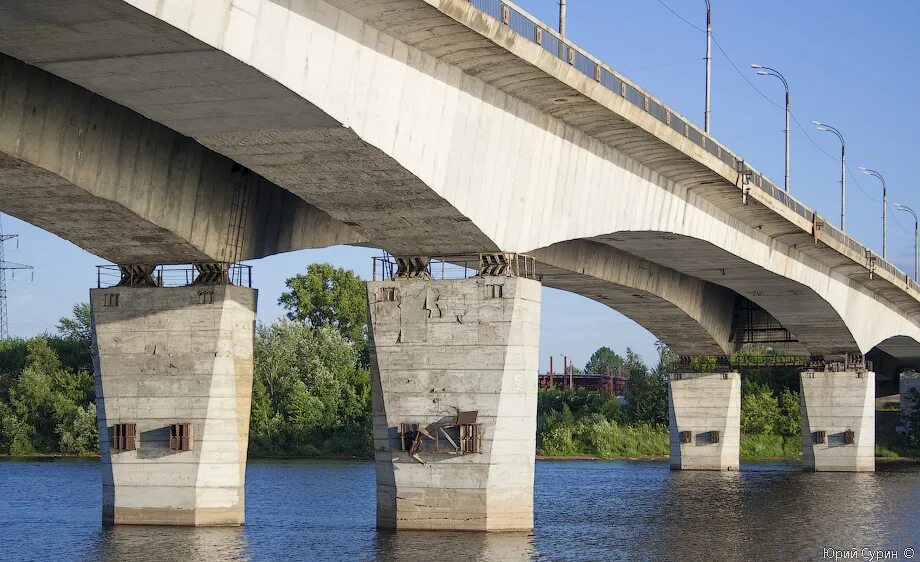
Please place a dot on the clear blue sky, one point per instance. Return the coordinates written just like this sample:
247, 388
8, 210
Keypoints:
849, 64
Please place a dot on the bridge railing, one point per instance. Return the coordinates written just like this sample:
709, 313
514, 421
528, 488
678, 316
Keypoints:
172, 276
539, 33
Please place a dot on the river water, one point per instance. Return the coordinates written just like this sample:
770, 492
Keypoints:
585, 510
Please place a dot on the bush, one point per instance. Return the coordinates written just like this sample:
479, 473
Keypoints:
770, 446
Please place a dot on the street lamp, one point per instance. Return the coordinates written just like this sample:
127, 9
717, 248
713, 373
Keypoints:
562, 18
907, 209
843, 170
767, 71
708, 60
869, 172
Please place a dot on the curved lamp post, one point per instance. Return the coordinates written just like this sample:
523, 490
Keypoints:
907, 209
873, 173
767, 71
843, 170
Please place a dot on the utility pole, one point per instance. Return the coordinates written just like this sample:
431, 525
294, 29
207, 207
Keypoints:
4, 266
708, 60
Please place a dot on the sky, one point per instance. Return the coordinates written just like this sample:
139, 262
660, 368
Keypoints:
849, 64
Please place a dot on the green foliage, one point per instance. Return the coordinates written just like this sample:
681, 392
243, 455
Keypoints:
646, 391
760, 446
79, 327
331, 296
604, 360
47, 404
592, 423
760, 410
310, 396
765, 412
912, 420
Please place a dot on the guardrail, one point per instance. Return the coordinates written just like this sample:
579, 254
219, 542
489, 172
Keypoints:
539, 33
172, 276
388, 267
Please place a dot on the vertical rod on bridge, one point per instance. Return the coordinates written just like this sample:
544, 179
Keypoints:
843, 185
562, 18
907, 209
708, 62
874, 173
788, 131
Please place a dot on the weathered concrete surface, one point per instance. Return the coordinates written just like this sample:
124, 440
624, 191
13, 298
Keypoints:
694, 317
835, 403
130, 190
446, 346
433, 129
165, 356
702, 403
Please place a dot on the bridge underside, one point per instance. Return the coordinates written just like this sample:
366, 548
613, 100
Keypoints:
426, 131
133, 191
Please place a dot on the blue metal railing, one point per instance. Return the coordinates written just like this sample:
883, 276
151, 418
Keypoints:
538, 32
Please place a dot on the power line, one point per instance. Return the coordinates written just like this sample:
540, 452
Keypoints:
766, 98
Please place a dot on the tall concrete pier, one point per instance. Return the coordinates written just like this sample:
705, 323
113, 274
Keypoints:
838, 421
704, 410
444, 353
173, 370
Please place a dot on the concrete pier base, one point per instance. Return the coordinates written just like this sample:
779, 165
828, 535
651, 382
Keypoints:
708, 406
837, 403
443, 347
168, 356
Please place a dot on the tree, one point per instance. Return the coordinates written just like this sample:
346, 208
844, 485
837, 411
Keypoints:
646, 391
760, 411
309, 394
80, 326
329, 296
47, 403
912, 419
604, 360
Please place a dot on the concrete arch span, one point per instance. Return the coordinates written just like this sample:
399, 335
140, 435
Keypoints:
132, 191
691, 316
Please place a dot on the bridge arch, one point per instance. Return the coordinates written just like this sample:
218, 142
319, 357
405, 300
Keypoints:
132, 191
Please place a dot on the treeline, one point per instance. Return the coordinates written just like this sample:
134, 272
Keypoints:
594, 424
47, 395
311, 383
312, 388
582, 422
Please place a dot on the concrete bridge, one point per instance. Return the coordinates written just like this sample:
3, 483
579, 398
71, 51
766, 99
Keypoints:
196, 131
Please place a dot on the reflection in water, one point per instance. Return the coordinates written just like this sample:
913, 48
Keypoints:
702, 513
585, 510
131, 542
449, 546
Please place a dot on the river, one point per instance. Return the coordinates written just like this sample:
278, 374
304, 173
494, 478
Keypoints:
585, 510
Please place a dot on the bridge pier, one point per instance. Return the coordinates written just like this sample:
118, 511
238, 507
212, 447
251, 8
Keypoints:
454, 369
173, 373
838, 421
704, 411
